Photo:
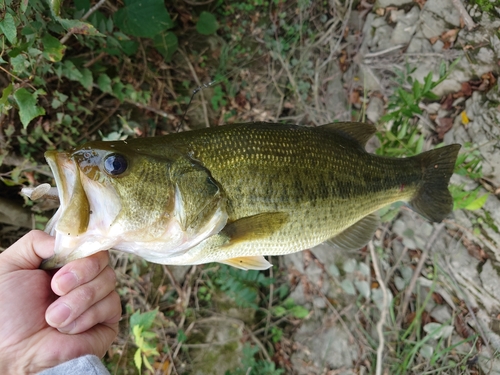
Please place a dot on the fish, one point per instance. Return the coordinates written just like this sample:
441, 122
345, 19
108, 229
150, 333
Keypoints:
236, 193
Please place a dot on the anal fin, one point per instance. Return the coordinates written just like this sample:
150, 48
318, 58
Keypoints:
248, 263
358, 234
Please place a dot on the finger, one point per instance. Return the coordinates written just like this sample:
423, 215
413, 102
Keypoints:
107, 311
70, 306
28, 252
79, 272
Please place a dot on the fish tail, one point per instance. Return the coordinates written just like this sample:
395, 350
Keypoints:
433, 200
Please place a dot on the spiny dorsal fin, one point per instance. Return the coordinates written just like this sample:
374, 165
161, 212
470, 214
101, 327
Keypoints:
358, 234
248, 263
358, 131
254, 227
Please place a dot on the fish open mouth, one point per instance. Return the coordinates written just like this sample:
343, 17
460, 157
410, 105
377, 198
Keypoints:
72, 217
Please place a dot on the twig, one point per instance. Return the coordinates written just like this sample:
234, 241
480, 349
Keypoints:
463, 13
383, 310
465, 299
385, 51
65, 38
418, 269
270, 304
344, 26
260, 345
152, 109
195, 76
196, 3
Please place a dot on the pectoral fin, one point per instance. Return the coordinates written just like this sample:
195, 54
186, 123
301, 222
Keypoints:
248, 263
358, 234
254, 227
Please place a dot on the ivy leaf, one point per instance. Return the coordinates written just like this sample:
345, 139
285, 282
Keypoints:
143, 18
8, 27
28, 109
207, 24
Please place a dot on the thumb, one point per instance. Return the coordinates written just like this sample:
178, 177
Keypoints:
28, 252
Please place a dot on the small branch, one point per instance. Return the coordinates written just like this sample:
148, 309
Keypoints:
152, 109
383, 310
195, 76
469, 23
418, 269
65, 38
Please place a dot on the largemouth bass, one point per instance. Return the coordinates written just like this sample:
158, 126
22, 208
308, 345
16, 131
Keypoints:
233, 194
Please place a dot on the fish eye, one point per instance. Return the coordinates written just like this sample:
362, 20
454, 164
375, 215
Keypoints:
115, 164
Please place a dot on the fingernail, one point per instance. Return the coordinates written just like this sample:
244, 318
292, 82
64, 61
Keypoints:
67, 328
67, 282
58, 314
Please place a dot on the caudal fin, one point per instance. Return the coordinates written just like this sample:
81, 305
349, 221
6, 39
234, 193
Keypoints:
433, 200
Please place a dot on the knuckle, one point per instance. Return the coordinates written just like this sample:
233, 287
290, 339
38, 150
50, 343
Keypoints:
86, 294
109, 275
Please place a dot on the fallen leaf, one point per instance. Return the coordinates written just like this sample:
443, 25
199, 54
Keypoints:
444, 125
466, 89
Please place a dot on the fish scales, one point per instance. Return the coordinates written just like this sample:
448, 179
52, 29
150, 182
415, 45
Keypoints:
237, 192
316, 176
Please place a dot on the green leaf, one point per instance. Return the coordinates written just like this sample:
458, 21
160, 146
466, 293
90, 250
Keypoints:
55, 7
143, 18
24, 6
104, 83
417, 89
427, 83
5, 94
477, 203
166, 44
71, 72
8, 27
181, 336
53, 49
87, 79
144, 320
147, 364
79, 27
138, 359
207, 24
28, 109
299, 312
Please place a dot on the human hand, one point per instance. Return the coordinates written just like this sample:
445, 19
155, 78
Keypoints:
46, 320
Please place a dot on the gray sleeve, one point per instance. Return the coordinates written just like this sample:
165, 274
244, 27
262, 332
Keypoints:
88, 364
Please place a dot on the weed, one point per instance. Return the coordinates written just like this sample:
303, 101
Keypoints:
144, 338
251, 366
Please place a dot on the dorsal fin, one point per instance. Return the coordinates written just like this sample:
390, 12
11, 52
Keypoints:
359, 131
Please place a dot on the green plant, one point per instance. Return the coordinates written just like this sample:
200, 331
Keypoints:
402, 138
252, 366
144, 339
242, 286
